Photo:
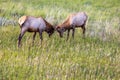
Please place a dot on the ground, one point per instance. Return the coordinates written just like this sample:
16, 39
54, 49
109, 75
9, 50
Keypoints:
97, 57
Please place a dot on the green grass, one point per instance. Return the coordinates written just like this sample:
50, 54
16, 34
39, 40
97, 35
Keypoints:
97, 57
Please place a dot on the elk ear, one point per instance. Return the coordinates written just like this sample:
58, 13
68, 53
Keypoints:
57, 28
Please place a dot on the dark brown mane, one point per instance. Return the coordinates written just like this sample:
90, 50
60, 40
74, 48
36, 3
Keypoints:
48, 24
66, 23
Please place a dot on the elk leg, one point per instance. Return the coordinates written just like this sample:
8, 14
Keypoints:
20, 37
73, 32
40, 33
83, 28
34, 37
68, 33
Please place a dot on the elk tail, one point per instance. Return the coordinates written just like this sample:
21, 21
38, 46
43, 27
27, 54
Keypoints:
22, 20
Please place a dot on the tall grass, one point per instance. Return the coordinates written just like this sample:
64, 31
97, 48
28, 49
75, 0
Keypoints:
97, 57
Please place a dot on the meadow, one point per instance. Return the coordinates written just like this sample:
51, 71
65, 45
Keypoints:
97, 57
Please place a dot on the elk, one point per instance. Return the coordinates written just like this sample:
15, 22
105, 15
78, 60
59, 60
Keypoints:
73, 21
33, 24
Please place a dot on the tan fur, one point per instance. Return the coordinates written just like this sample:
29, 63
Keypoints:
22, 20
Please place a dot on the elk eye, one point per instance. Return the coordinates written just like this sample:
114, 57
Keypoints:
63, 29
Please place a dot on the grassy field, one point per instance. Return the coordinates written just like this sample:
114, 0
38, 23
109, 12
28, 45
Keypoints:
97, 57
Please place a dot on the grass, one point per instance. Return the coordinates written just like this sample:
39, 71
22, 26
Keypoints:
97, 57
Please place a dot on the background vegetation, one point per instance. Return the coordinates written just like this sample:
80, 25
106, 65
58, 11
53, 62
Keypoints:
97, 57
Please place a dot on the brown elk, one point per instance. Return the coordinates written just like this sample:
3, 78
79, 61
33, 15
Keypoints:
33, 24
73, 21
